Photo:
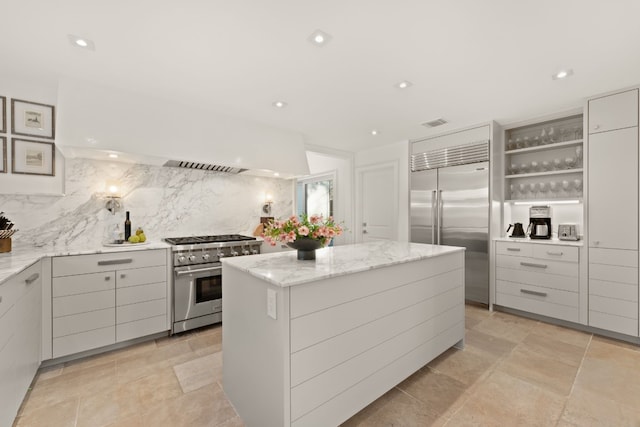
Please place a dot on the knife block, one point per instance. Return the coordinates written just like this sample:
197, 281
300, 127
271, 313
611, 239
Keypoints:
5, 245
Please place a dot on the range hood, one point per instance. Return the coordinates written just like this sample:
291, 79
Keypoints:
202, 166
103, 119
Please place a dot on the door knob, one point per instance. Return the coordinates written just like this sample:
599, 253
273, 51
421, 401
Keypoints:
364, 224
364, 231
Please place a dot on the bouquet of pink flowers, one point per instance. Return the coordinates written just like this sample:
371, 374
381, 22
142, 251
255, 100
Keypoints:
314, 227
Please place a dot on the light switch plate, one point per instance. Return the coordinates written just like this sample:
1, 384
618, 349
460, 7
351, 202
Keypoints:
271, 304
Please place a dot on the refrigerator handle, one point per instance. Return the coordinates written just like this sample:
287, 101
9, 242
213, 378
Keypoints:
439, 216
434, 198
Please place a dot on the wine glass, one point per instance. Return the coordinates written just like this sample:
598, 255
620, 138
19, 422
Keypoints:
532, 189
534, 166
522, 190
542, 187
565, 187
553, 187
577, 183
570, 162
524, 168
546, 166
515, 168
557, 164
513, 192
579, 153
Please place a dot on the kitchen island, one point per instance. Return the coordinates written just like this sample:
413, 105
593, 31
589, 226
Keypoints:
310, 343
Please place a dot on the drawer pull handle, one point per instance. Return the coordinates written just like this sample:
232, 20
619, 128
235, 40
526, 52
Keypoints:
554, 253
513, 249
107, 278
29, 280
536, 293
116, 261
530, 264
0, 298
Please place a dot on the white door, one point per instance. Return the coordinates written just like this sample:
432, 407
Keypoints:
377, 202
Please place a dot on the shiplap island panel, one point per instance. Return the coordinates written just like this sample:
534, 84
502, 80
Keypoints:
313, 342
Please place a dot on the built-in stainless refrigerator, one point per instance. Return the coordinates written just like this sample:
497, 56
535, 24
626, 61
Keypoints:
450, 206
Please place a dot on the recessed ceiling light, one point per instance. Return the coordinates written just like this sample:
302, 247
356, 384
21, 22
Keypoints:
279, 104
319, 38
113, 155
404, 84
562, 74
374, 132
81, 42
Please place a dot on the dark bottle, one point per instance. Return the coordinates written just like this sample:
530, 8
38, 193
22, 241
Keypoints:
127, 227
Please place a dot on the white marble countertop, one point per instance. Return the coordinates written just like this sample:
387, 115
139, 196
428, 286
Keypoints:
540, 241
23, 256
284, 269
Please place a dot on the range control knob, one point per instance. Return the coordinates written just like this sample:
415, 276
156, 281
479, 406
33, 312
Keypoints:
254, 251
192, 258
220, 254
181, 258
234, 253
246, 252
205, 257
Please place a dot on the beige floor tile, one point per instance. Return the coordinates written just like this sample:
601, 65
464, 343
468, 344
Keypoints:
610, 380
233, 422
49, 372
395, 408
618, 343
560, 333
141, 365
106, 408
200, 372
463, 365
157, 387
132, 421
506, 326
441, 393
613, 352
490, 346
545, 346
503, 400
62, 414
545, 372
206, 343
585, 408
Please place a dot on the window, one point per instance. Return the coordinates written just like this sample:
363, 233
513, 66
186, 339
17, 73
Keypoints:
314, 195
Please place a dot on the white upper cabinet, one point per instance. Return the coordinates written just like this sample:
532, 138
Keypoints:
613, 189
615, 111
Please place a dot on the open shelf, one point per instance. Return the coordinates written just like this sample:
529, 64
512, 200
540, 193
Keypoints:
547, 173
546, 147
559, 200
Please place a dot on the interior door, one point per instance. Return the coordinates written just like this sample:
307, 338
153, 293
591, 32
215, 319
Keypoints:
464, 209
378, 193
424, 186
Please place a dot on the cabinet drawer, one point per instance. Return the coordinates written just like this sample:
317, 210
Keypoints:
141, 328
565, 283
619, 257
538, 293
615, 111
83, 322
13, 289
613, 273
83, 303
610, 322
509, 295
83, 283
135, 294
515, 248
82, 264
613, 306
76, 343
539, 265
143, 310
556, 252
621, 291
141, 276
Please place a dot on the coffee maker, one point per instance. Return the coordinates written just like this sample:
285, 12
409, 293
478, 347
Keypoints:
540, 222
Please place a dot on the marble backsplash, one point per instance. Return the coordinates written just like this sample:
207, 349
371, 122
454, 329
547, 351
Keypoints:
164, 201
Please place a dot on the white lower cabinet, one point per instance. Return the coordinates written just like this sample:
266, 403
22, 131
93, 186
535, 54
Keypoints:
613, 290
539, 278
20, 338
102, 299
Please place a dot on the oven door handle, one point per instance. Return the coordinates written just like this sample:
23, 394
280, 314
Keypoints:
197, 270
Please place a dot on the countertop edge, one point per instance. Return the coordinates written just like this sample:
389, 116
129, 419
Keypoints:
577, 243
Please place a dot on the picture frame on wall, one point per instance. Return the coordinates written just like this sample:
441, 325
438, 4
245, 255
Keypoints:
33, 119
33, 157
3, 154
3, 115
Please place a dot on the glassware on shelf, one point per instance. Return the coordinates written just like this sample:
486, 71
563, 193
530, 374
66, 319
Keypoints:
534, 166
566, 185
557, 164
513, 192
511, 145
551, 134
526, 143
566, 134
515, 169
543, 187
544, 139
554, 188
524, 168
522, 190
577, 132
570, 162
532, 190
546, 166
577, 184
536, 141
579, 153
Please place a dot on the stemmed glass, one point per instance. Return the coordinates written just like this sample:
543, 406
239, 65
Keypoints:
553, 187
565, 187
577, 183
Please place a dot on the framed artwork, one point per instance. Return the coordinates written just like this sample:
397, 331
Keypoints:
3, 154
33, 157
33, 119
3, 114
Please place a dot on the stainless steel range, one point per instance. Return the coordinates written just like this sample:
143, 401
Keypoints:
197, 276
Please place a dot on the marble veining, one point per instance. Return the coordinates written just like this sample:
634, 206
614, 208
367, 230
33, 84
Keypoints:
164, 201
284, 269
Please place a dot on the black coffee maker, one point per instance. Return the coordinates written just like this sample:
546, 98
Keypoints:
539, 222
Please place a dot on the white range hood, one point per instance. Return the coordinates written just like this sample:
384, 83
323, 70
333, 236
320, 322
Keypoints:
94, 120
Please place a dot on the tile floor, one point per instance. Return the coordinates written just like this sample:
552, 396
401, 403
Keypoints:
512, 372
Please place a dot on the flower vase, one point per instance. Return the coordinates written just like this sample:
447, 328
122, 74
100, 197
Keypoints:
306, 247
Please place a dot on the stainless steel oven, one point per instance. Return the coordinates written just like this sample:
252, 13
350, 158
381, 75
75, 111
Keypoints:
197, 294
197, 276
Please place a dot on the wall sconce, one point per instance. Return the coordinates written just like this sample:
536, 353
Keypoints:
266, 207
113, 196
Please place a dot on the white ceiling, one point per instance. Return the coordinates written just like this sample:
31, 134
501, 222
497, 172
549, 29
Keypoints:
469, 61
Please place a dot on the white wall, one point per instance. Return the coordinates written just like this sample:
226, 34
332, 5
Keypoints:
43, 93
342, 164
397, 152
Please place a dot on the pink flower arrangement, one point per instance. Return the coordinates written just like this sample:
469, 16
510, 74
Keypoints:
313, 227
